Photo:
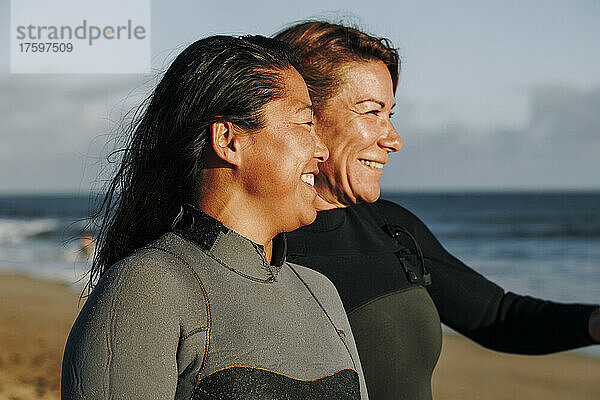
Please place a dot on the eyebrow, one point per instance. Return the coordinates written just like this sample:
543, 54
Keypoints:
381, 103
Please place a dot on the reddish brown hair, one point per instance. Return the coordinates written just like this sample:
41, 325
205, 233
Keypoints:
323, 48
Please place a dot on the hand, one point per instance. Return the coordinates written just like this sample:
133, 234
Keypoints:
594, 325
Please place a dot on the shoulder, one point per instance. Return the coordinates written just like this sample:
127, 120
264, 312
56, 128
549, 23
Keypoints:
148, 278
149, 268
394, 213
392, 210
311, 276
320, 285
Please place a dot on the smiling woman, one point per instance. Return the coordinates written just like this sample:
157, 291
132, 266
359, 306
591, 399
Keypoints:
280, 163
195, 298
396, 280
355, 125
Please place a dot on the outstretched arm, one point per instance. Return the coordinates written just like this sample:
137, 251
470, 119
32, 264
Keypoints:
482, 311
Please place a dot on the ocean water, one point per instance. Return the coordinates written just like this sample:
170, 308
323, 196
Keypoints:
544, 244
40, 236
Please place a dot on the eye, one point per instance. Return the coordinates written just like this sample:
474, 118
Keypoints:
374, 112
309, 123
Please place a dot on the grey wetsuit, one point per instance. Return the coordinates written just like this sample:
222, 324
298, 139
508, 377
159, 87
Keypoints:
200, 314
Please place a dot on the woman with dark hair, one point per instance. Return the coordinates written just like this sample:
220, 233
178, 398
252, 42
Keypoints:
394, 277
195, 298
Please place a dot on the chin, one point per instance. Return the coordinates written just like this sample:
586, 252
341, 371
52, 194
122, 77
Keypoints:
306, 218
364, 187
369, 196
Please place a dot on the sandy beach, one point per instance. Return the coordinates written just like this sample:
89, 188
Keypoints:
35, 318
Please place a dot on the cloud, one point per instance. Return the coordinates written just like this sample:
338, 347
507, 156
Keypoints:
558, 148
55, 135
54, 128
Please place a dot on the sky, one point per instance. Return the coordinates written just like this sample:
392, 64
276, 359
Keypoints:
492, 95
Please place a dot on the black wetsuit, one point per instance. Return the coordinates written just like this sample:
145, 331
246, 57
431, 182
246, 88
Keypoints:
200, 314
397, 289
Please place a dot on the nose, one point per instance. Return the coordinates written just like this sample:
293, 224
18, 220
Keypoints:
391, 140
321, 152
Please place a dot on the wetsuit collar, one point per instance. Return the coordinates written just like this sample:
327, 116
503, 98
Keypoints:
327, 220
232, 250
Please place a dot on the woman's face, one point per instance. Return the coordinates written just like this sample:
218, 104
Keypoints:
280, 161
356, 128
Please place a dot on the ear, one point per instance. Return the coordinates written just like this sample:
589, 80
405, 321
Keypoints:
224, 142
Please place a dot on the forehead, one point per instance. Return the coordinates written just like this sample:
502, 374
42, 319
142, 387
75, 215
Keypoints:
296, 90
296, 98
366, 79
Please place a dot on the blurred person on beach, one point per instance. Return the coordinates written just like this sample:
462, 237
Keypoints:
195, 298
86, 245
396, 280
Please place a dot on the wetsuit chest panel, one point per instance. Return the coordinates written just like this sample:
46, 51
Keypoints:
265, 325
259, 348
359, 278
359, 257
398, 335
265, 334
233, 383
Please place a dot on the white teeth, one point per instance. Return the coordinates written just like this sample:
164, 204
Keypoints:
309, 179
372, 164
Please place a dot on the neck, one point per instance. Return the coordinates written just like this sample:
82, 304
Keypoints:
326, 201
326, 197
321, 204
269, 251
239, 218
234, 210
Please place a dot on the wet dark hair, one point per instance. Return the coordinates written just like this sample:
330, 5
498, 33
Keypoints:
324, 48
220, 78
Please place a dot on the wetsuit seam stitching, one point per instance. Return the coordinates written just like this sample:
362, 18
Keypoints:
382, 251
207, 304
279, 373
326, 314
387, 294
217, 259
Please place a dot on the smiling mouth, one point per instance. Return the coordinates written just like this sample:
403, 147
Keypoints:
371, 164
309, 179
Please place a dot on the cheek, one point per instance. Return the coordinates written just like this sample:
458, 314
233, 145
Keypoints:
275, 179
358, 137
274, 174
369, 132
345, 151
